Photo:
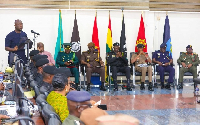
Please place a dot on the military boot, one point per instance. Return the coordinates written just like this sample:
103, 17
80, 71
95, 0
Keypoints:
180, 86
115, 84
102, 87
142, 86
168, 86
128, 85
162, 85
150, 88
88, 87
77, 88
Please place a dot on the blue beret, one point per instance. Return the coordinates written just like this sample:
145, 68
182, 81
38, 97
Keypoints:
189, 46
41, 62
78, 96
37, 57
34, 52
140, 46
64, 70
50, 70
116, 44
163, 45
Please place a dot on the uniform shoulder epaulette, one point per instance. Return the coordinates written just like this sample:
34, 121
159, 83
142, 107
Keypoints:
183, 53
195, 53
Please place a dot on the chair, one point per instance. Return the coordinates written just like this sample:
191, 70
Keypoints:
109, 72
54, 121
185, 74
83, 71
48, 112
41, 101
35, 87
44, 91
157, 73
135, 73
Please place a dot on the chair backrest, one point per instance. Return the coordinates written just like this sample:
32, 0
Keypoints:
152, 54
49, 112
131, 53
44, 91
35, 87
37, 91
41, 101
54, 121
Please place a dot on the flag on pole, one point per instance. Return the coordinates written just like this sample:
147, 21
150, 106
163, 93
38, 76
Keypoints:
141, 36
95, 38
167, 37
59, 42
108, 44
123, 48
75, 39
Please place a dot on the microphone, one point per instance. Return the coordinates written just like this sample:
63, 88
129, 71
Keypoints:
34, 32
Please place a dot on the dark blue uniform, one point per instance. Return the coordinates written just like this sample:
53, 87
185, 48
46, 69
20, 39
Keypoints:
14, 39
164, 58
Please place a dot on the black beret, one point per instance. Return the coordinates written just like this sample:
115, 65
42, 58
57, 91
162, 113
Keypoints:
140, 45
37, 57
116, 44
163, 45
189, 46
59, 81
50, 70
64, 70
34, 52
42, 62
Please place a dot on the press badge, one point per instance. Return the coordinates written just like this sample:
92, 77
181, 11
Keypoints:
113, 56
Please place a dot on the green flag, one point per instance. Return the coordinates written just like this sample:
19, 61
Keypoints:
59, 42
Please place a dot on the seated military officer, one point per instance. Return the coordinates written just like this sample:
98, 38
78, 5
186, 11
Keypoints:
189, 62
143, 58
35, 59
48, 74
164, 60
32, 54
118, 63
93, 63
40, 64
69, 59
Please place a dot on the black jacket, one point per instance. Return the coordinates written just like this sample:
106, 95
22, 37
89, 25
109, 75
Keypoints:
116, 61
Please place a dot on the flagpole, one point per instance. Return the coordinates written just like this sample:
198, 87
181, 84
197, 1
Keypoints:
98, 49
75, 14
109, 15
122, 12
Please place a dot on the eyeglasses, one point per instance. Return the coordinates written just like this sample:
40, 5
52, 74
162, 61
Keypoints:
189, 48
84, 105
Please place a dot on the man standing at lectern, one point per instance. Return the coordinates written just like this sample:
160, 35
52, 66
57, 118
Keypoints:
13, 40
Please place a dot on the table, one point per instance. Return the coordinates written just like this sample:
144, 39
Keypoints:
37, 117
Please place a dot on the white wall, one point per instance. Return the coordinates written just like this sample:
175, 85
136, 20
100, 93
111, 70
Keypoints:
184, 28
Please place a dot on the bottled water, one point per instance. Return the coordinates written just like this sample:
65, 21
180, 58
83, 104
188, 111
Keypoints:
1, 77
